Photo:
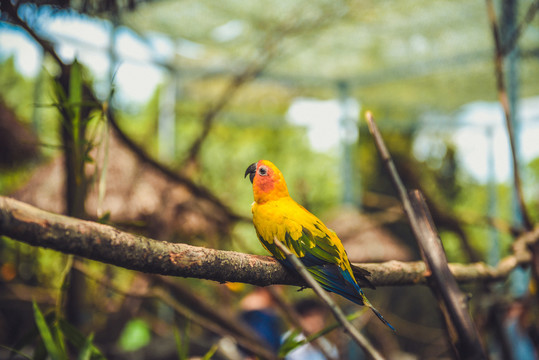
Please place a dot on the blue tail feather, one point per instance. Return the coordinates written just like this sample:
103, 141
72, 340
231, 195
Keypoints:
334, 279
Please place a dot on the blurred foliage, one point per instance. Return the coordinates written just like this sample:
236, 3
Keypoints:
52, 337
135, 335
18, 90
402, 60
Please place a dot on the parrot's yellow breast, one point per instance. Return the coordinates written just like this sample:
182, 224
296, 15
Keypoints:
276, 219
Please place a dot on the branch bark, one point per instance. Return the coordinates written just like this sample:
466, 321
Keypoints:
452, 302
107, 244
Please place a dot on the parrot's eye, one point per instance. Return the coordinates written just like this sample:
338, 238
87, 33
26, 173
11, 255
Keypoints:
263, 171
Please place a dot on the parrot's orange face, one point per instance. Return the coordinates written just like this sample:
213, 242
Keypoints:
268, 181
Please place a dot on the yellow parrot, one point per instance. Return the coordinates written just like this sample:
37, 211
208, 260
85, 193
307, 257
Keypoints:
277, 215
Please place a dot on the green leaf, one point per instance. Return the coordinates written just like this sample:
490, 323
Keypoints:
135, 335
78, 340
46, 335
182, 342
178, 341
211, 352
105, 218
60, 341
290, 343
86, 351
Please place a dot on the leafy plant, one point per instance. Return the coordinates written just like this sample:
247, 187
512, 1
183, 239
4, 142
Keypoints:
51, 335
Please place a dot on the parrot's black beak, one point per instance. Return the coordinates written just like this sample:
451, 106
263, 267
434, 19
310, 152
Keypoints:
251, 171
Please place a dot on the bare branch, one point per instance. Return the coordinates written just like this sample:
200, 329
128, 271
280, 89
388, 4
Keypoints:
213, 111
413, 273
463, 334
106, 244
256, 346
11, 10
109, 245
504, 101
453, 303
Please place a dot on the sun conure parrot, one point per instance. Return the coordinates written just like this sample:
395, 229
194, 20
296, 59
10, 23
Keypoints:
277, 215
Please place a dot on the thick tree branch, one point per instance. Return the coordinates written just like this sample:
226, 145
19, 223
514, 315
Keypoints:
452, 301
104, 243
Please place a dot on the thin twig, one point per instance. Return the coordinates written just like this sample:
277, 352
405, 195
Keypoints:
163, 295
388, 161
11, 10
270, 48
211, 114
500, 50
335, 309
517, 32
504, 101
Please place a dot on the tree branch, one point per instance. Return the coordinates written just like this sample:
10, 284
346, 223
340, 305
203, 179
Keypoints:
213, 111
11, 11
452, 302
106, 244
504, 102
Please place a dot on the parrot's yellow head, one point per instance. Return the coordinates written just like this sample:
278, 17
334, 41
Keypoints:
268, 181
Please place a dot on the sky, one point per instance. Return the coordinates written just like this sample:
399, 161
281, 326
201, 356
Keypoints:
136, 78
